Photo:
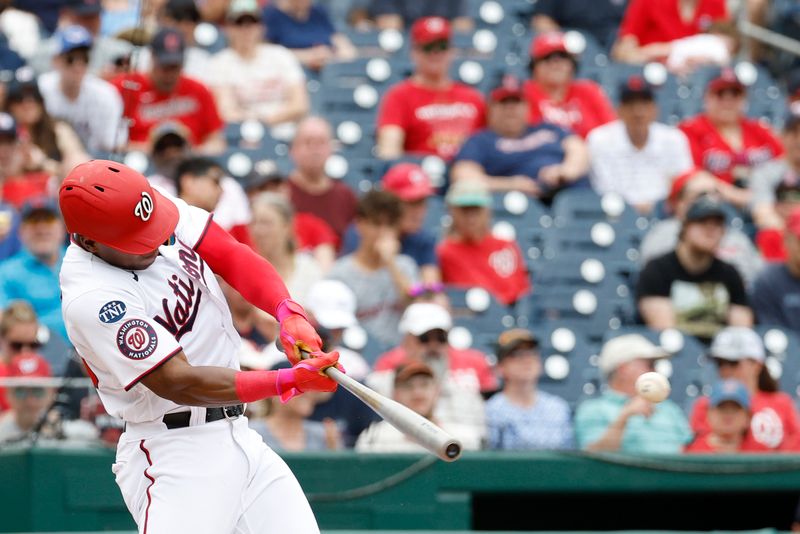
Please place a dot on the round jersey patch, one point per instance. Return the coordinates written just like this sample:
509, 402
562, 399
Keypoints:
137, 339
113, 311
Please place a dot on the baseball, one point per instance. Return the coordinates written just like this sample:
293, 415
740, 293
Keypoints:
653, 386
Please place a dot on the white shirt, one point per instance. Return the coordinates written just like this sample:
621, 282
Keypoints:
640, 176
383, 437
96, 115
125, 324
259, 84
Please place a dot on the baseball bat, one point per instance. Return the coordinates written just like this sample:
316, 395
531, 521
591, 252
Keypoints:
404, 419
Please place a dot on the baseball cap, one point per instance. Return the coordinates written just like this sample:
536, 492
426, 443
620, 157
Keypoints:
635, 88
705, 207
429, 30
511, 340
422, 317
548, 43
736, 343
73, 37
240, 8
469, 192
408, 182
726, 79
406, 371
29, 365
627, 348
39, 205
167, 131
332, 303
8, 126
509, 87
86, 8
182, 10
168, 47
729, 390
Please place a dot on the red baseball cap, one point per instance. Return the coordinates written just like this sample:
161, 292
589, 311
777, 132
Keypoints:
429, 30
29, 365
115, 205
793, 222
726, 79
548, 43
510, 87
408, 182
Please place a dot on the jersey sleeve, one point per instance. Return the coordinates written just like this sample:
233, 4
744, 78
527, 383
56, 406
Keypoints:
111, 330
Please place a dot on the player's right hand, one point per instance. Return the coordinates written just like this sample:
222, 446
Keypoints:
309, 375
296, 332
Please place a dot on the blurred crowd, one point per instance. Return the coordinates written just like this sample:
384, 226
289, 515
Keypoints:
689, 125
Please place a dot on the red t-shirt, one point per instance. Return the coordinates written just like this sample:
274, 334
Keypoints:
493, 264
466, 360
436, 121
702, 445
770, 244
336, 206
658, 21
584, 107
3, 400
774, 425
711, 152
191, 103
311, 232
18, 189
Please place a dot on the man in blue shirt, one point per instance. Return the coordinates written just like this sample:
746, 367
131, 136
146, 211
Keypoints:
621, 420
32, 273
513, 156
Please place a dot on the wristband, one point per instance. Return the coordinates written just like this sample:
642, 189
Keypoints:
257, 385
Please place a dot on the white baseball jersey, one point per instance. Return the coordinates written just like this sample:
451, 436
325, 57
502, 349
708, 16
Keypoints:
124, 324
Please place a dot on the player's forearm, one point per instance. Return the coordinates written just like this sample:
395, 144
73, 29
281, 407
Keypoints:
204, 386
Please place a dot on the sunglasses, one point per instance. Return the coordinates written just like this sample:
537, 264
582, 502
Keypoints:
23, 393
71, 59
440, 336
436, 46
18, 346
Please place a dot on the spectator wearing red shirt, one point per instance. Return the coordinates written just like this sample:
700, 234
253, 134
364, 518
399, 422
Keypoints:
728, 420
20, 172
310, 188
166, 94
650, 25
471, 256
739, 355
553, 94
724, 141
429, 113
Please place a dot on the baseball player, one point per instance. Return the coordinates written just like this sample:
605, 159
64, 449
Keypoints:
146, 314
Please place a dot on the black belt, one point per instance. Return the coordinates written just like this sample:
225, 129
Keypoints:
181, 419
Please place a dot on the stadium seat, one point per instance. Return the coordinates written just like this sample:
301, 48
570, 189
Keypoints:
783, 356
378, 72
478, 311
581, 206
566, 363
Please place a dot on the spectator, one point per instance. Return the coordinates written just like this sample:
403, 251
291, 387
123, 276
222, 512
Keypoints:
165, 93
106, 49
650, 26
415, 386
429, 113
272, 229
736, 247
22, 34
310, 188
739, 354
471, 256
306, 29
256, 328
20, 165
793, 92
521, 416
555, 96
29, 400
45, 11
689, 288
723, 140
511, 155
775, 293
9, 231
728, 419
399, 14
255, 80
287, 427
776, 191
412, 185
463, 375
376, 272
20, 331
600, 19
32, 274
169, 146
90, 105
717, 46
620, 419
635, 156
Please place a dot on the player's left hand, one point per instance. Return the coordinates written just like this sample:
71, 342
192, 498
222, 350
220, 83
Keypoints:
296, 332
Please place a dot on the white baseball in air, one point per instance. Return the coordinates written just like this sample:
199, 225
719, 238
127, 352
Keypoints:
653, 386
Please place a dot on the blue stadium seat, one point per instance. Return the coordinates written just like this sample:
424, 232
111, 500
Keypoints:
581, 206
478, 311
783, 356
566, 363
376, 43
519, 210
378, 72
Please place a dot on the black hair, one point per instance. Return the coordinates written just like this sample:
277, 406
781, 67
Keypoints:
379, 205
193, 166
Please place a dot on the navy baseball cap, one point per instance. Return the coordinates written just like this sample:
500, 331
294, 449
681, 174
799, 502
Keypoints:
86, 8
730, 390
39, 205
72, 38
168, 47
705, 207
8, 126
635, 88
182, 10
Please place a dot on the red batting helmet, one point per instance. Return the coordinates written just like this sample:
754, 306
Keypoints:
113, 204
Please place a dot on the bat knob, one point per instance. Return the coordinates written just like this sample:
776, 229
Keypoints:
452, 451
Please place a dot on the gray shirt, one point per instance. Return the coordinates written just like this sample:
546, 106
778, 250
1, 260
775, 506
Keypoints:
735, 248
765, 179
378, 302
775, 298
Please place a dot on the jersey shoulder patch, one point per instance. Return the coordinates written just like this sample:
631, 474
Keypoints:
137, 339
112, 311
